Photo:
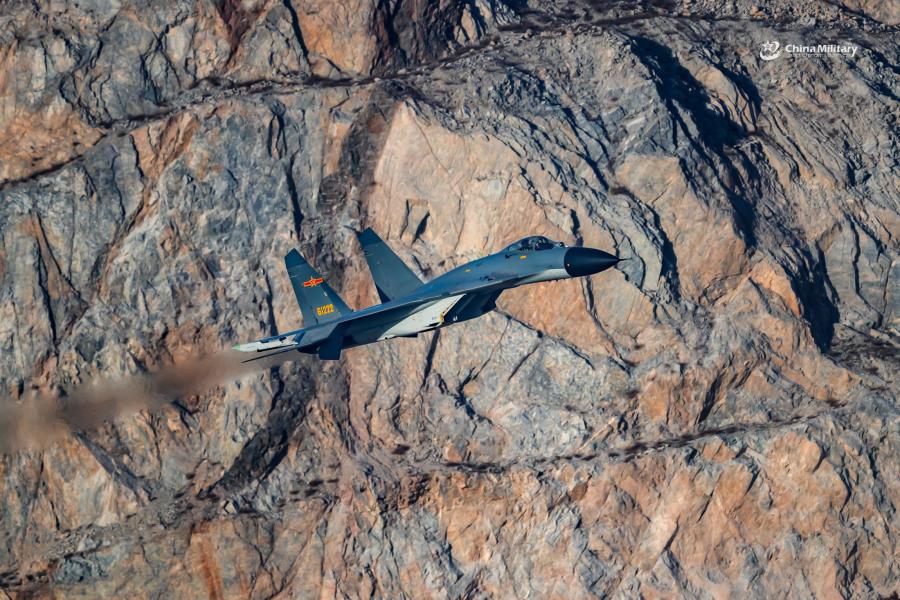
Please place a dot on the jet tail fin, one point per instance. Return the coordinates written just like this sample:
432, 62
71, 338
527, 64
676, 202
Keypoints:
318, 302
393, 279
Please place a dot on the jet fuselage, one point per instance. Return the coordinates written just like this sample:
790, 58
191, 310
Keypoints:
463, 293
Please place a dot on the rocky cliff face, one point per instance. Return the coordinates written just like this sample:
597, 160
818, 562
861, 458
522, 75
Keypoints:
716, 418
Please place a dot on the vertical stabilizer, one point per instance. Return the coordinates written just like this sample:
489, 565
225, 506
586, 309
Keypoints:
393, 279
318, 302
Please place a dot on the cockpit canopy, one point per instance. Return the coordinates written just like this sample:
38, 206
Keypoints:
533, 243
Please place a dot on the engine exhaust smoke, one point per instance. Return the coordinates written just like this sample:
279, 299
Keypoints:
38, 419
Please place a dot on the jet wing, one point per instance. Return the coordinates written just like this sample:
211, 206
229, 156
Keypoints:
327, 337
401, 308
393, 279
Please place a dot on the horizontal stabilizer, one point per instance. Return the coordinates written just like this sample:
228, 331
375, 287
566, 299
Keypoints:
318, 302
393, 279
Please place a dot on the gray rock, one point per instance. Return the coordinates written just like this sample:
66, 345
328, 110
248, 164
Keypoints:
718, 416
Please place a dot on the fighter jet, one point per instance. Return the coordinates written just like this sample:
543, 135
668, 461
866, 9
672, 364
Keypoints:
410, 306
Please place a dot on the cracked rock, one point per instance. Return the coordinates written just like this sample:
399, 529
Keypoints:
715, 417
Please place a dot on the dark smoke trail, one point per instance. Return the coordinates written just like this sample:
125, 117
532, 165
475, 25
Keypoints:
38, 420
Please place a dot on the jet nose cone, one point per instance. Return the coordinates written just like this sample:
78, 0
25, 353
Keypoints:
587, 261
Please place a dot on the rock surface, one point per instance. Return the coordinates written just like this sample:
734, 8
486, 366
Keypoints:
716, 418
